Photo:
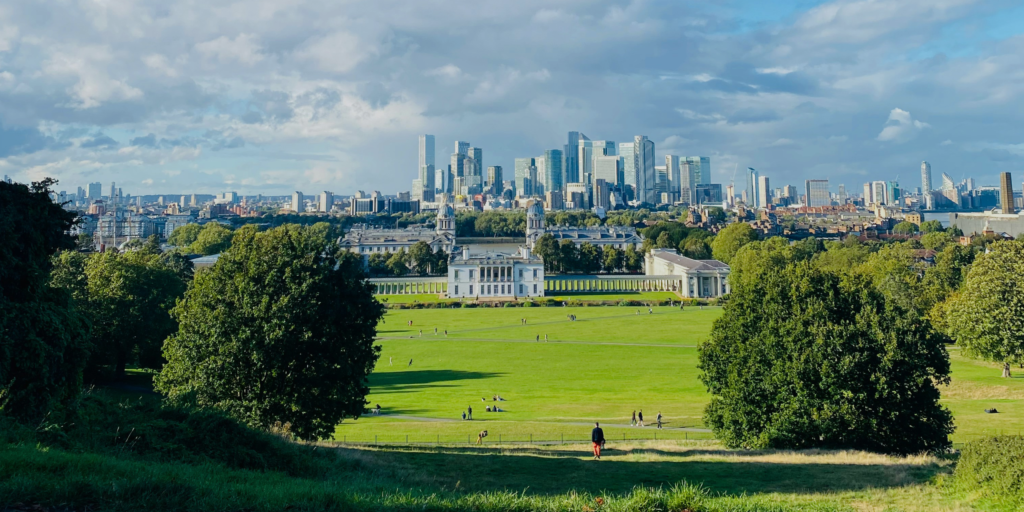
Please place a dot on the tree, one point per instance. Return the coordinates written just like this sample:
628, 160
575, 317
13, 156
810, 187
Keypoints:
127, 297
589, 258
184, 236
633, 260
931, 226
730, 239
422, 257
378, 263
985, 316
43, 337
905, 228
664, 241
213, 239
398, 263
547, 248
695, 248
935, 240
612, 259
279, 332
569, 256
440, 262
808, 358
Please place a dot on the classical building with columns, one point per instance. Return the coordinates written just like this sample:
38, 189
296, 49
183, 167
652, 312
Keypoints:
495, 275
366, 241
697, 278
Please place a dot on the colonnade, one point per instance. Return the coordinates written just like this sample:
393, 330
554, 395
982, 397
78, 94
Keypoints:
416, 286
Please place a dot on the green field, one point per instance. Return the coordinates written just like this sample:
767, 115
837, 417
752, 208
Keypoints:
601, 367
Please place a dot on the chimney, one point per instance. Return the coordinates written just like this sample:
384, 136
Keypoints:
465, 252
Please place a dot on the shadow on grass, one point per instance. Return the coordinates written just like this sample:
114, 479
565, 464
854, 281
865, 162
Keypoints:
416, 380
544, 472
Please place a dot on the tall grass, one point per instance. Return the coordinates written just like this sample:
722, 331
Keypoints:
992, 469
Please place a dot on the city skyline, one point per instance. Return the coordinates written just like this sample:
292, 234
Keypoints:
851, 91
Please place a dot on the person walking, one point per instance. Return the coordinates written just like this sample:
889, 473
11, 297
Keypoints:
410, 362
659, 419
597, 437
435, 331
446, 333
640, 417
545, 337
470, 412
632, 422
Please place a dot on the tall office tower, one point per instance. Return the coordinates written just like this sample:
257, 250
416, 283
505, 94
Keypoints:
441, 183
660, 179
160, 200
588, 151
700, 166
461, 147
638, 169
80, 195
113, 191
8, 180
789, 192
426, 151
95, 190
730, 195
542, 170
525, 176
926, 178
459, 169
817, 193
554, 175
571, 153
602, 193
494, 179
477, 155
867, 193
298, 202
325, 202
687, 180
842, 194
1006, 193
892, 193
764, 197
752, 183
609, 169
672, 169
181, 202
878, 195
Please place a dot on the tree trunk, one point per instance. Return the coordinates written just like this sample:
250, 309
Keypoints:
1006, 370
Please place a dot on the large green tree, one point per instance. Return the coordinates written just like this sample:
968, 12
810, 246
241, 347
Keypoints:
279, 332
127, 298
547, 248
986, 317
43, 338
804, 357
729, 240
213, 239
184, 236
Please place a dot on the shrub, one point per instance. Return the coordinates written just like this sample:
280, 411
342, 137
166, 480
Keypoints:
529, 304
994, 466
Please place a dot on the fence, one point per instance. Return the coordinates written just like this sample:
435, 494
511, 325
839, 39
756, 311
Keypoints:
522, 439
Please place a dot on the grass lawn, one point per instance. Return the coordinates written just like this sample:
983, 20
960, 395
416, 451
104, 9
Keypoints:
615, 296
600, 367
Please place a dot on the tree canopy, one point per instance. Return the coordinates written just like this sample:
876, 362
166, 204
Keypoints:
279, 332
43, 338
729, 240
985, 317
905, 228
805, 357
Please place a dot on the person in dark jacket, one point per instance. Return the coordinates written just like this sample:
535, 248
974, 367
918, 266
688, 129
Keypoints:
597, 437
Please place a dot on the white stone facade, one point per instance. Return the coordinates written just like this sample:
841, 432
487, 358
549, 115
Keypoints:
366, 241
495, 275
701, 278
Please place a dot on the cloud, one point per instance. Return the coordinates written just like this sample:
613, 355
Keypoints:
243, 48
338, 52
900, 127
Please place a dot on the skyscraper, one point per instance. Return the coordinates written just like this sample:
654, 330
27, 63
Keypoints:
461, 147
638, 169
426, 150
763, 192
113, 191
687, 180
554, 176
609, 169
298, 202
1006, 193
926, 178
477, 168
525, 176
817, 193
700, 166
96, 190
325, 202
672, 170
494, 179
425, 168
588, 151
752, 184
571, 153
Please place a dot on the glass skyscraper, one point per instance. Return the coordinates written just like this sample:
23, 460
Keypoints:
571, 154
554, 176
526, 176
816, 192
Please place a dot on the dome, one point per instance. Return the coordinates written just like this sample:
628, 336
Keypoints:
445, 211
535, 210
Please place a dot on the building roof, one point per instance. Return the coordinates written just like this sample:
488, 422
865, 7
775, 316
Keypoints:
596, 233
687, 263
393, 236
494, 258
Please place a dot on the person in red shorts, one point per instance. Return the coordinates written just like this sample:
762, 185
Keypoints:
597, 437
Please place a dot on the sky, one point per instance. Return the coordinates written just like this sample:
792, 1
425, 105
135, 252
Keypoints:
273, 96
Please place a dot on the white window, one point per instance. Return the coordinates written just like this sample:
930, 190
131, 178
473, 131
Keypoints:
520, 273
535, 277
471, 276
535, 288
456, 278
471, 287
521, 290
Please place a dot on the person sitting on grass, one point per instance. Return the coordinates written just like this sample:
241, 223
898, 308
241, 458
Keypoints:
597, 437
488, 408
